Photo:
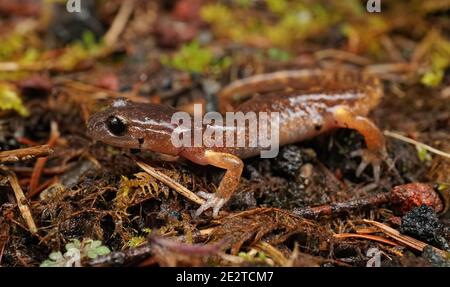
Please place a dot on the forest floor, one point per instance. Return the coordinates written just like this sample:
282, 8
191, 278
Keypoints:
61, 192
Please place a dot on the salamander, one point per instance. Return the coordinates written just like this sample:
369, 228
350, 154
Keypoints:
309, 102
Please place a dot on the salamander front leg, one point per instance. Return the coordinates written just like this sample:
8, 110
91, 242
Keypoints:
375, 152
227, 186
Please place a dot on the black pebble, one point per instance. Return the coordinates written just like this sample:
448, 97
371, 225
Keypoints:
422, 223
289, 161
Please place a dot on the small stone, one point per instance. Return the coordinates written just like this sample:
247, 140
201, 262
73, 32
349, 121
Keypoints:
408, 196
423, 223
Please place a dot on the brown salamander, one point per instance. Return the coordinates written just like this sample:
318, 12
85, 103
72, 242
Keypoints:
309, 103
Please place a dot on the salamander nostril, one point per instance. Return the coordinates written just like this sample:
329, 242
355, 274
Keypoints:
116, 126
92, 127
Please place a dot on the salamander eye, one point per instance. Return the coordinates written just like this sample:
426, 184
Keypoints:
116, 126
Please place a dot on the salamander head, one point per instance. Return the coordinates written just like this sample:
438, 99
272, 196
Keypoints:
134, 125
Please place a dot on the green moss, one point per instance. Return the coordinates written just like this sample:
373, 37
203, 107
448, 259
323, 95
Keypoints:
196, 59
352, 7
277, 6
191, 58
11, 45
136, 241
80, 51
278, 55
213, 11
292, 21
258, 257
423, 154
139, 240
243, 3
300, 22
367, 31
432, 78
135, 189
17, 48
439, 61
10, 100
147, 230
223, 21
88, 40
30, 56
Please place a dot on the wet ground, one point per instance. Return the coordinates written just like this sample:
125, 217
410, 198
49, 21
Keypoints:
305, 207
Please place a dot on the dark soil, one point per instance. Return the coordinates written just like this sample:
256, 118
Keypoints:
181, 53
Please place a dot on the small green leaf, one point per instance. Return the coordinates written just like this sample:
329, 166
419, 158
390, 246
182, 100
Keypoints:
147, 230
432, 78
10, 100
74, 244
55, 256
95, 244
95, 248
423, 154
244, 255
48, 263
92, 254
262, 255
88, 39
103, 250
87, 248
443, 186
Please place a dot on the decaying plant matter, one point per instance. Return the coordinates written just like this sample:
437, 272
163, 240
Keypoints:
66, 200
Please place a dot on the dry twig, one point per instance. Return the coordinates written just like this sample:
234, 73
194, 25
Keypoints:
25, 153
171, 183
404, 239
22, 202
416, 143
121, 19
366, 236
273, 252
40, 162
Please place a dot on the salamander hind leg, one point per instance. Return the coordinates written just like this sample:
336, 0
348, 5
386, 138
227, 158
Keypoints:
375, 153
227, 186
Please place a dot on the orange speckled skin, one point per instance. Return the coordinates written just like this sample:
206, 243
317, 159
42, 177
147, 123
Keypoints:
309, 102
